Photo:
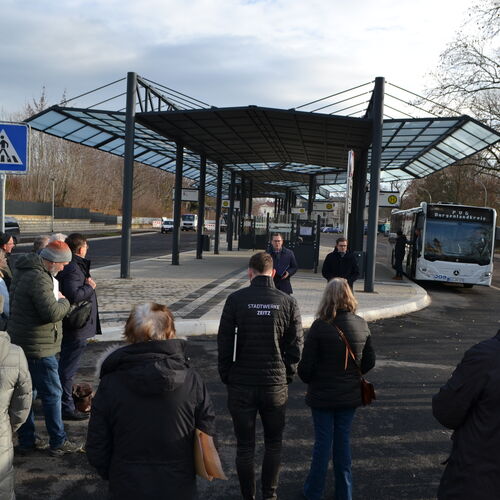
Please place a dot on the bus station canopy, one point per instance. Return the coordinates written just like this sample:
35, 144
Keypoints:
277, 149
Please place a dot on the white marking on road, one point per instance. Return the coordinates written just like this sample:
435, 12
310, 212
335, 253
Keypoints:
382, 363
208, 295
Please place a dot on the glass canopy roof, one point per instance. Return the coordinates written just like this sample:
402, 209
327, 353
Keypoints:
411, 148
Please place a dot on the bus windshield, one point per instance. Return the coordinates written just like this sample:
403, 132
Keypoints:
468, 242
188, 217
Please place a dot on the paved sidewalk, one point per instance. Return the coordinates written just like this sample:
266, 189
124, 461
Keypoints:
196, 291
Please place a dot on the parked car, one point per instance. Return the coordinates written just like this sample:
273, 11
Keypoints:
328, 229
167, 226
12, 227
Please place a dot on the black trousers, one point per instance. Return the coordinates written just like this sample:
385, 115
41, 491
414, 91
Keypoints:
270, 402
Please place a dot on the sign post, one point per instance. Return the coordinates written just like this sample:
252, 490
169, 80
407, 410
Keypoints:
14, 157
348, 191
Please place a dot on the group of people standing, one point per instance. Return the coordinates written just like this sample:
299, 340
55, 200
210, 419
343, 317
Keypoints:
150, 400
42, 285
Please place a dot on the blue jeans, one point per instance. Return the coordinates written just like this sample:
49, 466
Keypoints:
46, 383
69, 359
270, 402
332, 429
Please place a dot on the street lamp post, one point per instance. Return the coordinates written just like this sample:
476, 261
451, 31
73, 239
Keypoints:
485, 191
430, 197
53, 202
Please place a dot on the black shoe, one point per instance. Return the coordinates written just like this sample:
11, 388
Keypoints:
39, 445
75, 415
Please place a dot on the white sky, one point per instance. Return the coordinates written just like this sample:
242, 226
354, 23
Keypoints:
279, 53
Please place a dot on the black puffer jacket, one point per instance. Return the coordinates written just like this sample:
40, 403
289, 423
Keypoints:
141, 428
469, 403
270, 335
322, 366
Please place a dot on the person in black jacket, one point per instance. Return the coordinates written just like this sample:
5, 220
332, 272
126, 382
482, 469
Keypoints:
399, 254
284, 263
76, 284
341, 264
469, 403
259, 341
333, 390
144, 415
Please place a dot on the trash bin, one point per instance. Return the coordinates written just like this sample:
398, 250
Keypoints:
361, 261
205, 242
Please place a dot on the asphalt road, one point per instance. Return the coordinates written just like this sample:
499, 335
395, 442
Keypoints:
105, 251
397, 445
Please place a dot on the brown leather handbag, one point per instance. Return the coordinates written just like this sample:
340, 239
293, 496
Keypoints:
367, 389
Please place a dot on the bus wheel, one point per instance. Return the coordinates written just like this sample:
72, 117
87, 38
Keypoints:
468, 285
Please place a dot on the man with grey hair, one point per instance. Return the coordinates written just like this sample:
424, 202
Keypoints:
36, 310
40, 242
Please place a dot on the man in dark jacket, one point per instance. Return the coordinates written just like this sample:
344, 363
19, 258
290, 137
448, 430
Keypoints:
469, 403
76, 285
284, 264
36, 310
399, 254
341, 263
260, 340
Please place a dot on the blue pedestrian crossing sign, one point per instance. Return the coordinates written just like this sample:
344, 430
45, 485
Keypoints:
14, 148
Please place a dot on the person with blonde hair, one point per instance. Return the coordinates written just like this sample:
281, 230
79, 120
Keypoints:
146, 409
333, 390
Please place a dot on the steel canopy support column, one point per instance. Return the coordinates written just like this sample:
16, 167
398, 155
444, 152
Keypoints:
312, 195
218, 208
201, 206
230, 214
176, 235
243, 197
356, 220
377, 117
250, 197
128, 176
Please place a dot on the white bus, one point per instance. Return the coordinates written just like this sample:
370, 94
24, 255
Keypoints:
447, 242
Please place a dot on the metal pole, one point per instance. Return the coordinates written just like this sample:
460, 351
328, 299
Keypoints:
176, 233
218, 208
485, 192
230, 214
371, 240
3, 179
250, 197
356, 223
53, 208
430, 197
128, 176
312, 195
201, 205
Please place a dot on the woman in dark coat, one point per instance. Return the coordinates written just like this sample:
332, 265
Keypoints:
76, 284
144, 414
333, 391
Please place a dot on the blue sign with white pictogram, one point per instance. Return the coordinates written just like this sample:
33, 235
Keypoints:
14, 148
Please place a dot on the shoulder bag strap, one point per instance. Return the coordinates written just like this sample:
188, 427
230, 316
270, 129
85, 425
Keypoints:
348, 350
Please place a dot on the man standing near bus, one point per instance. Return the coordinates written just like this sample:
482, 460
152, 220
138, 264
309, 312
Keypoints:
399, 254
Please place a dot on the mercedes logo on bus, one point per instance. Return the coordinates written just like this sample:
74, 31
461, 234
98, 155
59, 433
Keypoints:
456, 272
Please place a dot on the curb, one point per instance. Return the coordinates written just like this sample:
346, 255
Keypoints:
192, 328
